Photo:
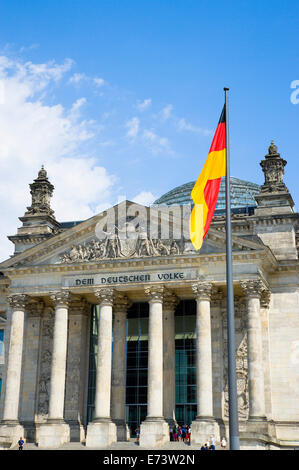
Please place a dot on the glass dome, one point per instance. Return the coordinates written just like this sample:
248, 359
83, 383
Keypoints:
242, 195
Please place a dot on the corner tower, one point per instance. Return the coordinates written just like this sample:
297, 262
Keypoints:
39, 222
276, 221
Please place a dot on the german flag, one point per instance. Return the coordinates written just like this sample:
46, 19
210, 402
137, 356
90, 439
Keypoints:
206, 189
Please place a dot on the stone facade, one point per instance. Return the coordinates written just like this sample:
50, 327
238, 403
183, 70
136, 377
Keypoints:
56, 274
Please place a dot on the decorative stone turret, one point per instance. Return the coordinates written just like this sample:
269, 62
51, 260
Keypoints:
274, 197
275, 220
39, 222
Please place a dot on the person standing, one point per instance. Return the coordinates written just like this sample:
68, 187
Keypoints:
212, 442
20, 443
223, 443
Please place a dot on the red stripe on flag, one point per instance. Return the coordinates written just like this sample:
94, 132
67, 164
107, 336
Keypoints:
211, 195
219, 139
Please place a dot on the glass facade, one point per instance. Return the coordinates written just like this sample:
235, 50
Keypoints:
137, 363
185, 362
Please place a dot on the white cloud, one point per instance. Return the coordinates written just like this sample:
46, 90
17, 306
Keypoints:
77, 77
33, 133
133, 128
99, 81
146, 198
144, 104
183, 125
156, 143
166, 112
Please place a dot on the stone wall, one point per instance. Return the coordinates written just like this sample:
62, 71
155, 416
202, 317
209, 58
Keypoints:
284, 355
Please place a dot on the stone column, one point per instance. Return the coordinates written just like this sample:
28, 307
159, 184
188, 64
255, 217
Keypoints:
253, 290
10, 427
77, 368
154, 430
204, 424
102, 431
118, 391
56, 432
169, 304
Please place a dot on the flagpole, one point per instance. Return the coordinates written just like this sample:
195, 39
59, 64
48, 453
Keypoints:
232, 376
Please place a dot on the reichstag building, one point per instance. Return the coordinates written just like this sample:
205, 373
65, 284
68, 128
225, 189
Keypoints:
116, 322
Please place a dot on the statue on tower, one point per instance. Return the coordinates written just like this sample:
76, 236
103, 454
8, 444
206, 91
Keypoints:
41, 191
273, 168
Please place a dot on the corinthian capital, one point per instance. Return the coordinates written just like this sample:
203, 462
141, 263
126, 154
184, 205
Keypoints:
17, 301
170, 301
60, 298
154, 293
202, 290
121, 303
105, 295
253, 288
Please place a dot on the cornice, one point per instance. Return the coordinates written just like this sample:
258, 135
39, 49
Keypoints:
170, 261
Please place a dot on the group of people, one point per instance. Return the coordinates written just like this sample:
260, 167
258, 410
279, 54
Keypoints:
210, 444
183, 434
180, 433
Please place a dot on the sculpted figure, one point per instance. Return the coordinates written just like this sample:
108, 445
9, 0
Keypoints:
111, 248
145, 244
174, 249
162, 248
73, 254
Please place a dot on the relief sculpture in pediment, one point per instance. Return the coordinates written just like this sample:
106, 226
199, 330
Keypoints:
126, 242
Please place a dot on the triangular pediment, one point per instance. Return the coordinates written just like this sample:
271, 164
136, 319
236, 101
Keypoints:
125, 231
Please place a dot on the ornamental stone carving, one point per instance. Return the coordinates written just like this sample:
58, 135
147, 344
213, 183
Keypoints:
242, 382
105, 295
60, 298
18, 301
43, 388
202, 290
273, 168
253, 288
128, 242
154, 293
170, 301
41, 191
121, 303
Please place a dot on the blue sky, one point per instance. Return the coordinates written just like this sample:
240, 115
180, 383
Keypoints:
121, 98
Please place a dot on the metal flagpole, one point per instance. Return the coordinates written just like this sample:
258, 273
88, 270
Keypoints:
232, 376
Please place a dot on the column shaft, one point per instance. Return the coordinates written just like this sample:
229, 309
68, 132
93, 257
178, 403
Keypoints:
102, 431
104, 357
155, 360
154, 430
14, 367
58, 368
204, 359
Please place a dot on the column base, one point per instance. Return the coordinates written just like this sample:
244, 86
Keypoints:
101, 433
10, 433
122, 430
54, 433
202, 428
154, 432
257, 424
